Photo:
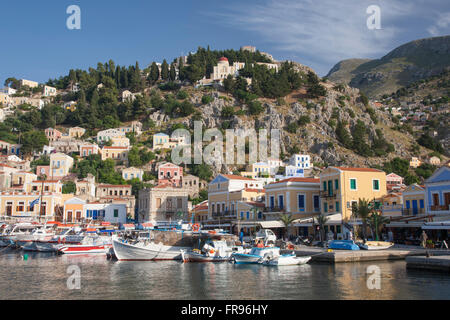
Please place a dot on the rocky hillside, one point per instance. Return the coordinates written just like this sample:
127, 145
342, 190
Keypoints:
406, 64
317, 136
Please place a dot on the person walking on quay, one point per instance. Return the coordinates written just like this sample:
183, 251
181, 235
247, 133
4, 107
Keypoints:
423, 239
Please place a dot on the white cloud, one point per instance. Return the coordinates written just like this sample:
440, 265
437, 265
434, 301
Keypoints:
441, 26
321, 32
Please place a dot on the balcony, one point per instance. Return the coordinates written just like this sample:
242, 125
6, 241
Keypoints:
439, 209
226, 213
274, 209
413, 211
327, 195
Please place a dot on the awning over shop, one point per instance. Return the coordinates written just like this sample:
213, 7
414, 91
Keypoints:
442, 225
271, 224
334, 219
224, 225
404, 225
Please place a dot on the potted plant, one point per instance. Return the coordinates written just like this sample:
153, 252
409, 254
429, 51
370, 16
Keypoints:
430, 244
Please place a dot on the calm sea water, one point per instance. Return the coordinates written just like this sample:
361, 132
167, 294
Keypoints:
44, 276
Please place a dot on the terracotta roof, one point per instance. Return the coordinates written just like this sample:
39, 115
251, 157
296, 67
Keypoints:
201, 207
236, 177
256, 204
253, 190
114, 147
358, 169
298, 179
113, 185
45, 181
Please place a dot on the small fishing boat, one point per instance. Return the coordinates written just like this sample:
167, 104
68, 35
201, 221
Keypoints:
375, 245
212, 251
254, 255
283, 260
41, 233
89, 245
145, 250
65, 236
11, 232
343, 245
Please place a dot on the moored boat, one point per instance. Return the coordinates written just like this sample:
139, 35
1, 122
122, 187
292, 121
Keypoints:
284, 260
342, 245
254, 255
89, 245
145, 250
212, 251
375, 245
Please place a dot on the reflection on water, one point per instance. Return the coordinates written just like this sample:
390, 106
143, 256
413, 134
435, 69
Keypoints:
44, 276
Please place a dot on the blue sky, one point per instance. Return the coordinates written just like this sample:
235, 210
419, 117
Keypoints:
36, 44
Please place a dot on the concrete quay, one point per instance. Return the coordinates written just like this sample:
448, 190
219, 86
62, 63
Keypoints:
339, 256
433, 263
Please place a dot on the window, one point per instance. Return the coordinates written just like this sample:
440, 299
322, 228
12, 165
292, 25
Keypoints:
336, 184
325, 206
325, 186
337, 206
352, 184
421, 203
316, 201
116, 213
281, 201
376, 184
301, 201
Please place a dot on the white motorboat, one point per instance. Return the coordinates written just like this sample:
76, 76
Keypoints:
41, 233
145, 250
92, 244
283, 260
67, 236
212, 251
375, 245
11, 232
254, 255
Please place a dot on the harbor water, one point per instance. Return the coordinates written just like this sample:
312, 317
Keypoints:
46, 276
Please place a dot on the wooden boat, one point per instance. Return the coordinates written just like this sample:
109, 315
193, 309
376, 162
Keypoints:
343, 245
89, 245
145, 250
255, 255
212, 251
284, 260
375, 245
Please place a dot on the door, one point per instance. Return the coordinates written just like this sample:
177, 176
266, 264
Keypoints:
414, 207
9, 209
435, 199
69, 216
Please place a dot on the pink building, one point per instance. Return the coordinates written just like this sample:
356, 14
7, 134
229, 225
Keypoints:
52, 134
88, 149
393, 181
170, 173
40, 170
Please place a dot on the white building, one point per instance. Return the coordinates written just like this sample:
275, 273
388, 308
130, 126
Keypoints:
302, 161
223, 69
49, 91
110, 212
105, 135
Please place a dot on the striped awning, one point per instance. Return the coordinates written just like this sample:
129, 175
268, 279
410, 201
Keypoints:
271, 224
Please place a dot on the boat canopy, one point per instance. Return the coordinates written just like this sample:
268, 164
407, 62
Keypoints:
441, 225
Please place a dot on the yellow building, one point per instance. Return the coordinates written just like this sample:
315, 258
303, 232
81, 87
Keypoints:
29, 83
120, 141
60, 164
115, 153
76, 132
414, 200
54, 186
200, 212
392, 204
20, 204
340, 187
415, 162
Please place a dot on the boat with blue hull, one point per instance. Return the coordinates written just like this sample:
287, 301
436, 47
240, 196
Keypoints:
255, 255
343, 245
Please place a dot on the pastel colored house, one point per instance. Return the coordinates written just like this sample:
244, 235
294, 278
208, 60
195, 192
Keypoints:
115, 153
415, 162
341, 187
60, 164
302, 161
105, 135
109, 212
88, 149
49, 91
53, 134
73, 210
170, 173
132, 172
19, 204
160, 141
162, 203
29, 83
437, 190
120, 141
392, 204
76, 132
297, 196
434, 161
393, 181
413, 200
